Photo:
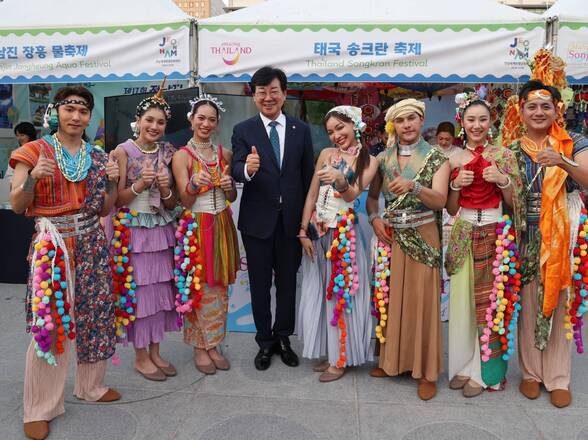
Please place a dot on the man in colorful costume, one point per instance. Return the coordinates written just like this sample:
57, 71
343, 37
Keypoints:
66, 184
554, 166
413, 177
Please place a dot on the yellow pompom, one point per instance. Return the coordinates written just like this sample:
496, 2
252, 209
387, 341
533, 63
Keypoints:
569, 336
382, 309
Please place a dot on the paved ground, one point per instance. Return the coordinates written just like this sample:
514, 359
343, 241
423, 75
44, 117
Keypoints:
281, 403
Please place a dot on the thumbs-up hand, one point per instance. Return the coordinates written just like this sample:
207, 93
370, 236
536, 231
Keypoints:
252, 162
464, 178
203, 178
162, 178
112, 169
148, 174
493, 175
400, 185
226, 181
44, 167
548, 157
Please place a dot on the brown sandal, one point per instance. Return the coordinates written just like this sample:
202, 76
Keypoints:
157, 376
169, 371
328, 376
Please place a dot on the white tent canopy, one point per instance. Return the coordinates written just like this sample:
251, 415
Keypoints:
569, 23
372, 40
89, 40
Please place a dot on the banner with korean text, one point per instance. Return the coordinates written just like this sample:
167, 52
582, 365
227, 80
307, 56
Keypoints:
133, 53
383, 53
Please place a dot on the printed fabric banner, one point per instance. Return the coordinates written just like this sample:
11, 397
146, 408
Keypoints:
410, 53
572, 47
102, 54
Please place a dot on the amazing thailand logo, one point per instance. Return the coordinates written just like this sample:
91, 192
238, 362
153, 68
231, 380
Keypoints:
231, 52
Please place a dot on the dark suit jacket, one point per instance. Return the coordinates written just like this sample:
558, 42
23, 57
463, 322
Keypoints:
260, 200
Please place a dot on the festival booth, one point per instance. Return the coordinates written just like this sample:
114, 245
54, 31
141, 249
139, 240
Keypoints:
369, 54
103, 44
568, 31
83, 40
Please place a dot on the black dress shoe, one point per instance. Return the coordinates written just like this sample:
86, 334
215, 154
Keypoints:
263, 359
287, 354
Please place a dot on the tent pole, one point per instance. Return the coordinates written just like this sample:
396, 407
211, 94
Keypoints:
193, 53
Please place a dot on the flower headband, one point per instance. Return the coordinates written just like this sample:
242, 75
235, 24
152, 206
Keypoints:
353, 113
205, 97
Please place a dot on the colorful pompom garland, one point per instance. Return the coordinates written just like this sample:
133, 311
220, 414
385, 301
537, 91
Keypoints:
122, 271
188, 270
578, 302
52, 323
344, 278
502, 315
381, 288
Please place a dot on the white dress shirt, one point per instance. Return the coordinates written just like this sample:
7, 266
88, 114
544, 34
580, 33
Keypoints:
281, 128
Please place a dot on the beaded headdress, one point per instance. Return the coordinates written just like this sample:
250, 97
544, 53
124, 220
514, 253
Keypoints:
50, 119
205, 97
155, 101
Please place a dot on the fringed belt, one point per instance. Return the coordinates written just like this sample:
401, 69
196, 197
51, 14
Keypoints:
75, 225
407, 218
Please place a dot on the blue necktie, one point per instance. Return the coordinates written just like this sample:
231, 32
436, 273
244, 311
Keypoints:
275, 141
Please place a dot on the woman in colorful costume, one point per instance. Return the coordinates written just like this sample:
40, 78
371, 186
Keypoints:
554, 166
145, 224
334, 317
413, 177
66, 184
207, 253
485, 284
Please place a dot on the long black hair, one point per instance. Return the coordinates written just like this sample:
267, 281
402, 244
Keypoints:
363, 160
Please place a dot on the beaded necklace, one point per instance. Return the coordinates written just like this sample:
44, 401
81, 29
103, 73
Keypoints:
213, 168
144, 150
74, 168
474, 148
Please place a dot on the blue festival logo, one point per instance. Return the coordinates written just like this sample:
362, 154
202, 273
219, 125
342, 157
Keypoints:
519, 49
168, 47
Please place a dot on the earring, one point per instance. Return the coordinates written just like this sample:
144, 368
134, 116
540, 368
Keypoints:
490, 133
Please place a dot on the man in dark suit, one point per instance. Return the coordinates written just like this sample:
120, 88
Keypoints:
273, 157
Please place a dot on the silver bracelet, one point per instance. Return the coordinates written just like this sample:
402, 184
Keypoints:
168, 196
453, 188
29, 185
568, 160
133, 189
372, 217
417, 189
506, 185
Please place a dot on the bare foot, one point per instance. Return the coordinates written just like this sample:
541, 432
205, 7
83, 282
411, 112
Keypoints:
158, 360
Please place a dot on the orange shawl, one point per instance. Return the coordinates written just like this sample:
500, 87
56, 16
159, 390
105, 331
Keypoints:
554, 223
